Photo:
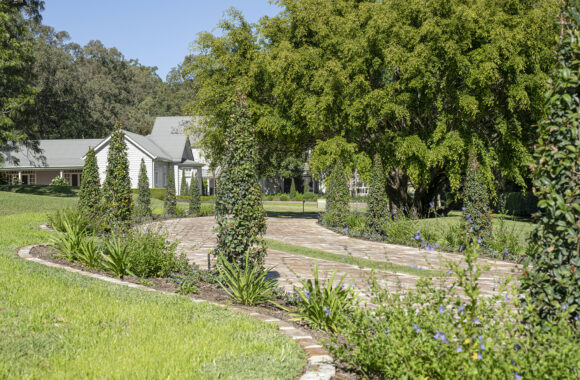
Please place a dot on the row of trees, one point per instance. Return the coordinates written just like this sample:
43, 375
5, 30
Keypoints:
420, 83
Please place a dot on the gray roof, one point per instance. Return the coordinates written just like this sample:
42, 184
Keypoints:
171, 125
168, 147
53, 154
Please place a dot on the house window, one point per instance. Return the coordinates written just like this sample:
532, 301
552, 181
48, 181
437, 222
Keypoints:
73, 177
26, 178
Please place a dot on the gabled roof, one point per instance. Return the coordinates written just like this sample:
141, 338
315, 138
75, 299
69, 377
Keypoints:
66, 153
171, 125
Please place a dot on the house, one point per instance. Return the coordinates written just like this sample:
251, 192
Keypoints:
166, 148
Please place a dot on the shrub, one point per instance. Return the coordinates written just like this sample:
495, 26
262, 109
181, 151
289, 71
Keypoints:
247, 284
337, 207
309, 196
477, 213
59, 181
552, 274
194, 198
207, 209
292, 190
118, 201
284, 197
324, 306
434, 332
299, 197
90, 192
67, 243
150, 254
143, 207
116, 257
377, 210
89, 253
170, 202
270, 197
239, 213
72, 216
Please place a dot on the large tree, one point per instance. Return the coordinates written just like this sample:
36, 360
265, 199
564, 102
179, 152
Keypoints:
420, 82
16, 75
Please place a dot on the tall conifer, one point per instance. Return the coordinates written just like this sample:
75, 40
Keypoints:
194, 198
90, 192
117, 197
144, 199
377, 201
183, 190
170, 204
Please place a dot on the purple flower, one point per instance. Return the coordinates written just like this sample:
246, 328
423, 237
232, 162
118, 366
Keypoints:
506, 298
505, 251
479, 240
416, 328
470, 229
431, 204
460, 308
449, 271
565, 307
326, 311
479, 357
516, 376
436, 245
441, 309
463, 208
476, 320
482, 346
387, 331
459, 349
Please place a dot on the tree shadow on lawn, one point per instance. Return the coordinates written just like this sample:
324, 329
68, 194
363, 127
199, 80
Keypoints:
292, 215
53, 191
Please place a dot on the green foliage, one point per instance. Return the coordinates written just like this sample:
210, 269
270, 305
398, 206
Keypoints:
116, 257
284, 198
337, 208
71, 216
299, 197
59, 182
247, 284
292, 193
170, 202
324, 306
67, 244
183, 190
378, 206
143, 206
89, 252
117, 198
326, 154
434, 332
17, 90
150, 254
552, 278
310, 196
475, 196
90, 192
239, 212
194, 198
518, 204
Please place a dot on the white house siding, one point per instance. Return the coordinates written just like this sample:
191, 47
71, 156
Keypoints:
44, 177
134, 156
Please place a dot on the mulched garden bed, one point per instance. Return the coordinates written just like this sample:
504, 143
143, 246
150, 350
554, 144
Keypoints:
207, 291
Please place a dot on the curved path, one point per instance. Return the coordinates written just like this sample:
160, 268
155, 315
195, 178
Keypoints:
196, 240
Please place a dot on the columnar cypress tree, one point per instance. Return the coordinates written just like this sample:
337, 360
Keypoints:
170, 204
293, 190
552, 274
183, 190
477, 213
239, 211
194, 198
90, 193
144, 198
117, 197
337, 208
377, 201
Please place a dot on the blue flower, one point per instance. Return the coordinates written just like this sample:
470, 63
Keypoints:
479, 357
470, 229
387, 331
482, 346
479, 240
436, 245
460, 308
516, 376
459, 349
506, 298
565, 307
431, 204
326, 311
476, 320
416, 328
449, 271
505, 251
441, 309
463, 208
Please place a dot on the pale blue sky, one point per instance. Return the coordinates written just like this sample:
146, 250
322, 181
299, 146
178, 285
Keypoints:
156, 32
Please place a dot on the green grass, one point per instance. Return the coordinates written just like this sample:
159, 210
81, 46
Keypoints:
345, 259
56, 191
290, 207
56, 324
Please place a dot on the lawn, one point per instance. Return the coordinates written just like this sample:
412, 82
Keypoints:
56, 324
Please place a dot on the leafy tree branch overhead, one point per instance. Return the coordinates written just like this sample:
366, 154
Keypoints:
420, 83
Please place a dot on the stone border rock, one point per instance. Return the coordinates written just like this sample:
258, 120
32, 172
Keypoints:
319, 366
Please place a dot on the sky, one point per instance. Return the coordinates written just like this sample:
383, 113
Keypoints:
155, 32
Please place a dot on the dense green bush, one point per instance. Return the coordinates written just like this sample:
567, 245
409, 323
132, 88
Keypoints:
519, 204
292, 192
284, 197
117, 197
337, 208
194, 198
434, 332
90, 192
143, 206
475, 196
310, 196
72, 215
67, 244
150, 254
552, 275
116, 257
378, 205
170, 202
239, 212
59, 182
299, 197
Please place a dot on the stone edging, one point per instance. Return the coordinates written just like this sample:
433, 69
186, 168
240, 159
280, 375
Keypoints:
320, 365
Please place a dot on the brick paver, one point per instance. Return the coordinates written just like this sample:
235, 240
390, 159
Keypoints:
197, 240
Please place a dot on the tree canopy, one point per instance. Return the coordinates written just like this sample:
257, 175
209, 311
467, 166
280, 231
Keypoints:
420, 83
